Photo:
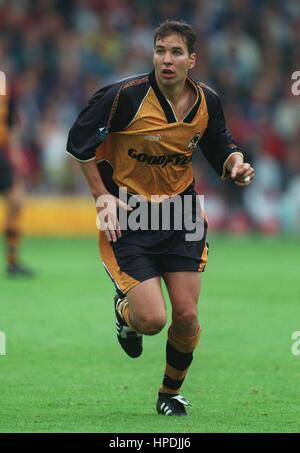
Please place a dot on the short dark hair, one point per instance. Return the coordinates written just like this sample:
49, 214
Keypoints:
168, 27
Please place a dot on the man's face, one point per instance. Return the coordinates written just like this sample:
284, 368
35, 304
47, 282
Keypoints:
172, 60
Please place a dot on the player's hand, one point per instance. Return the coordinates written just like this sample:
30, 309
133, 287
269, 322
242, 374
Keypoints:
107, 220
242, 174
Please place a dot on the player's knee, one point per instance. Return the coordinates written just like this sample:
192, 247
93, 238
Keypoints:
186, 317
152, 325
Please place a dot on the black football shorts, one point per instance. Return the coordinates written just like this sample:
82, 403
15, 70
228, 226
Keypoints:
6, 173
142, 254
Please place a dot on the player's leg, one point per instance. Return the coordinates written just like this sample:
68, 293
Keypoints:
146, 307
139, 304
141, 311
186, 257
14, 201
14, 198
12, 189
183, 337
6, 184
184, 292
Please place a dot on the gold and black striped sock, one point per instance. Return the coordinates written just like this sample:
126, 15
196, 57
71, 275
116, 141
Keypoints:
179, 352
123, 310
12, 239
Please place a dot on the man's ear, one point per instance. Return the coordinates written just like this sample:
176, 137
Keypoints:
192, 60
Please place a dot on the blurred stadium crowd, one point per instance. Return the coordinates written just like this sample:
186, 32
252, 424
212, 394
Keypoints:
57, 53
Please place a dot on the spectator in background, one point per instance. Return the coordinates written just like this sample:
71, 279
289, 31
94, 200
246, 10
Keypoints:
248, 48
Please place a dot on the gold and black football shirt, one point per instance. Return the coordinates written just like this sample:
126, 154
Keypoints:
4, 121
7, 116
131, 130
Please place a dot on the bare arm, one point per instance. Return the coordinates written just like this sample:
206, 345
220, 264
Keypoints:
106, 203
93, 179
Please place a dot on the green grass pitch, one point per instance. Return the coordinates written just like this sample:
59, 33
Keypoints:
65, 372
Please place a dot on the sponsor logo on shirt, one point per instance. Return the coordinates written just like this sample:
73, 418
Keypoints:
163, 160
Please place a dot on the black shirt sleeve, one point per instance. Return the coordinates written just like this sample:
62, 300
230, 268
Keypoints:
216, 143
103, 113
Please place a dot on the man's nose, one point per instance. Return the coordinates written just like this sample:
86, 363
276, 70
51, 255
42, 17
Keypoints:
167, 58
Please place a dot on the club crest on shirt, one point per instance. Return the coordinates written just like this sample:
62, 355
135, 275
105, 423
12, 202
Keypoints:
194, 142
